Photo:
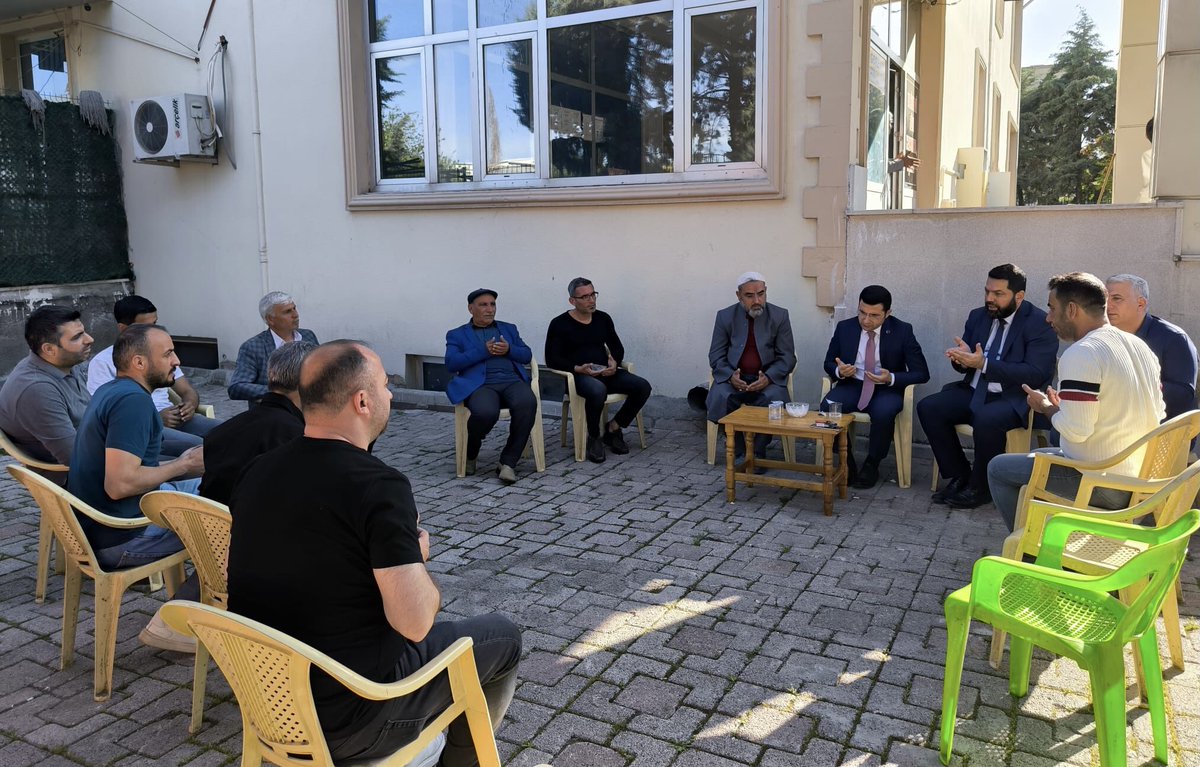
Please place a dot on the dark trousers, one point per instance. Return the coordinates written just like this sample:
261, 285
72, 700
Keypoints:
485, 404
595, 389
497, 652
940, 413
885, 404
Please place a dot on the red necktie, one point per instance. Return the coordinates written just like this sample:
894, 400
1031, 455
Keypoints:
868, 387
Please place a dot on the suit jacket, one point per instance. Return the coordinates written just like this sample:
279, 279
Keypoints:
1176, 360
1028, 357
772, 336
467, 356
249, 379
899, 352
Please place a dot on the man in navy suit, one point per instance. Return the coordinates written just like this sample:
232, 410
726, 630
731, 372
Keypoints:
871, 359
249, 379
488, 359
1006, 344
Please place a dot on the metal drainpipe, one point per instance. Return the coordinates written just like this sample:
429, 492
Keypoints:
260, 199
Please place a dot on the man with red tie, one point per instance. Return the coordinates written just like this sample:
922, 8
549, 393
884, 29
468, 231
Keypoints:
871, 359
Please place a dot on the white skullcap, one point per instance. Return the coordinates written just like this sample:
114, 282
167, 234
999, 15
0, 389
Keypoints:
750, 277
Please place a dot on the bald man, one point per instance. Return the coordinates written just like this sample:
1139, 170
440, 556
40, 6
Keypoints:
326, 548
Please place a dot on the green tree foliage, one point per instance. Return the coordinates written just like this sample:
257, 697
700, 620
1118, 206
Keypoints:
1067, 123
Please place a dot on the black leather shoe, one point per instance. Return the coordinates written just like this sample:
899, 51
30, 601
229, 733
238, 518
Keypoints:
953, 487
868, 475
969, 498
615, 441
595, 450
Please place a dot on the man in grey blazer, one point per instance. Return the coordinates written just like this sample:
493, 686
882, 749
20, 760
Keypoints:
278, 310
752, 352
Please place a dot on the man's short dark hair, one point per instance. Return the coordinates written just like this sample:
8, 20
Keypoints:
283, 366
44, 325
873, 295
127, 309
576, 284
343, 371
1012, 273
1082, 289
134, 340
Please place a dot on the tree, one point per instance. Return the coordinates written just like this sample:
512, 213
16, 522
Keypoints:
1067, 123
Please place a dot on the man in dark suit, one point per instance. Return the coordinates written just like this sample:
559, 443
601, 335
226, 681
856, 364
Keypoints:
1006, 344
488, 359
752, 353
278, 310
871, 359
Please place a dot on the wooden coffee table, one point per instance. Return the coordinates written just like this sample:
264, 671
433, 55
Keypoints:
753, 420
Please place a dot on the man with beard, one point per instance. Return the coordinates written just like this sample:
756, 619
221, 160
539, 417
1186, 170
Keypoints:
1005, 345
1108, 397
115, 462
326, 548
751, 355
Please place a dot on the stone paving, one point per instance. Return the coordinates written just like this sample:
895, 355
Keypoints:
662, 626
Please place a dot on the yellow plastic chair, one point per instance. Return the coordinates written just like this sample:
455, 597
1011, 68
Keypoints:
901, 433
269, 673
1075, 616
573, 409
1016, 441
1096, 555
789, 445
536, 437
205, 410
204, 526
60, 507
45, 536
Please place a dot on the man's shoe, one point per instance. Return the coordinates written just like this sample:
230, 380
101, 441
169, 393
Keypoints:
507, 474
595, 450
159, 634
616, 442
470, 471
953, 487
969, 498
868, 475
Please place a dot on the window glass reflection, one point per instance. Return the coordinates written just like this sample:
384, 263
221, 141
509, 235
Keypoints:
493, 12
723, 86
563, 7
396, 19
507, 107
401, 117
452, 94
610, 97
449, 15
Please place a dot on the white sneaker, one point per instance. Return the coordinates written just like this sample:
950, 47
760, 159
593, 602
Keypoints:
158, 634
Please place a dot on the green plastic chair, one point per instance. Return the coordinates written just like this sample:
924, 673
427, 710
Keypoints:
1075, 616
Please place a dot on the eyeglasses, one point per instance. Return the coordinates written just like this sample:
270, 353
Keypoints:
593, 295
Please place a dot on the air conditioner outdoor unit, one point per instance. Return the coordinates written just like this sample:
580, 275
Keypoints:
169, 129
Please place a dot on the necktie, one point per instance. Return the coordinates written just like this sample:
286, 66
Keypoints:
868, 387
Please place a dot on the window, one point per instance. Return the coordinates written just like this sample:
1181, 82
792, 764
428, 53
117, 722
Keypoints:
488, 96
43, 64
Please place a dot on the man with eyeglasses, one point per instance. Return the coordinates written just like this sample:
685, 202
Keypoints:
584, 341
871, 359
751, 355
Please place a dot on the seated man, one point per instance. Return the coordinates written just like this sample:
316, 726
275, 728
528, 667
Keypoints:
884, 358
584, 341
277, 420
44, 397
1128, 295
488, 360
326, 548
751, 355
1108, 398
1006, 344
249, 378
116, 462
182, 428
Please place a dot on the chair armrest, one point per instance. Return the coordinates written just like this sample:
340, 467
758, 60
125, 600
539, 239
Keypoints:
1060, 527
107, 519
989, 572
627, 365
1052, 459
365, 688
570, 377
1094, 479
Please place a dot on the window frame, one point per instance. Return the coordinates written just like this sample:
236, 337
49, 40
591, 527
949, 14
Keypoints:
733, 181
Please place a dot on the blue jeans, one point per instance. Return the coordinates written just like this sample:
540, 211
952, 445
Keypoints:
1009, 472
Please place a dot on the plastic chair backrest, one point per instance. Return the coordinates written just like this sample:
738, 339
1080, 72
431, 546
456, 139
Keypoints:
56, 504
1167, 446
10, 447
1161, 564
204, 526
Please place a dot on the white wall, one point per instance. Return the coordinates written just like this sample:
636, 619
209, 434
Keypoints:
399, 279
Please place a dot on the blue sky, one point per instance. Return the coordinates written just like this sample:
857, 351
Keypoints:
1047, 21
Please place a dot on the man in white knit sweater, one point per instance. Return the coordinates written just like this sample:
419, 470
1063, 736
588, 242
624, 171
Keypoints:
1109, 396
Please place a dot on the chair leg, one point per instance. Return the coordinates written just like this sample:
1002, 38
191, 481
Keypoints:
1020, 656
199, 681
579, 425
902, 437
460, 444
958, 624
72, 583
1128, 595
1147, 650
1170, 614
1107, 676
108, 610
464, 686
934, 484
45, 540
538, 438
712, 442
641, 430
156, 581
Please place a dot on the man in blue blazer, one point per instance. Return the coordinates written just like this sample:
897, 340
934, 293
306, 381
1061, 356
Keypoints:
871, 359
1006, 344
249, 379
488, 360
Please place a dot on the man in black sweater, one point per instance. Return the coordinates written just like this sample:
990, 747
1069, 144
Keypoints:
584, 341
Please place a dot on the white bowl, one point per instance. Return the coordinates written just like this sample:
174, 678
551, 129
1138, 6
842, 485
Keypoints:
797, 409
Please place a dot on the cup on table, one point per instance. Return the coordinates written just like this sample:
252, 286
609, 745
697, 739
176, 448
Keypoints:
833, 409
775, 410
796, 409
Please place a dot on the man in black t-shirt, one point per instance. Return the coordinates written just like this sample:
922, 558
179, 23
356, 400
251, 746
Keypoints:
584, 341
326, 548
